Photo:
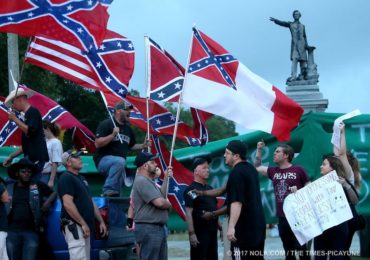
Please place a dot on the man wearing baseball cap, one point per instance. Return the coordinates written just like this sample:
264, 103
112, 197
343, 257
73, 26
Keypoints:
78, 208
202, 232
151, 209
247, 226
114, 137
33, 139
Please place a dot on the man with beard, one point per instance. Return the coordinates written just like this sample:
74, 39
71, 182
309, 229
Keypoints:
247, 225
113, 140
151, 209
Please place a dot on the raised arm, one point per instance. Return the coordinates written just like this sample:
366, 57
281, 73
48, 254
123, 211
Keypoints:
351, 192
258, 160
24, 128
281, 23
167, 174
342, 154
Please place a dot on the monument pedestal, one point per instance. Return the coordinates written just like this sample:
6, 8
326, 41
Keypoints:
307, 96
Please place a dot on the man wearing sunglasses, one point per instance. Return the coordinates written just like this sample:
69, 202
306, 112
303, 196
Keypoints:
30, 200
114, 137
78, 208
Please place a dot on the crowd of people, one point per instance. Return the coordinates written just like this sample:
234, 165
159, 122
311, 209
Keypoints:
35, 182
245, 211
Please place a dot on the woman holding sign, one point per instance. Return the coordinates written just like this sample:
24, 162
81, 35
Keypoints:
352, 168
332, 242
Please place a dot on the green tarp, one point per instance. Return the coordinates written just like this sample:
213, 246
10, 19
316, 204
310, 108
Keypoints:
310, 140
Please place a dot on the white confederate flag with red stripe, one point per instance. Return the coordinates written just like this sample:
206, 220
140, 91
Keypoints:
218, 83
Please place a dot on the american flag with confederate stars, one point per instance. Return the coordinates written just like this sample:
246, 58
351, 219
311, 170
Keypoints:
110, 67
79, 23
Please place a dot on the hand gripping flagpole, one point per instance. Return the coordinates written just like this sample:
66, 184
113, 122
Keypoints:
180, 99
110, 115
148, 80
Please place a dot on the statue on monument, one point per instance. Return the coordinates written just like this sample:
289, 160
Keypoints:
300, 53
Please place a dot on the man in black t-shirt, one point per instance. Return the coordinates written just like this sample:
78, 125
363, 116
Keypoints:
247, 226
33, 140
113, 140
202, 232
30, 200
78, 208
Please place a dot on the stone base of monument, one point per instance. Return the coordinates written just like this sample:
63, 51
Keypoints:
308, 96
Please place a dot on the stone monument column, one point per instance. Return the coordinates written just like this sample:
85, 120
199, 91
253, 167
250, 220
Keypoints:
306, 91
302, 88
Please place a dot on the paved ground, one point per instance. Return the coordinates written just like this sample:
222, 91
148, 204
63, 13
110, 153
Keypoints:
178, 247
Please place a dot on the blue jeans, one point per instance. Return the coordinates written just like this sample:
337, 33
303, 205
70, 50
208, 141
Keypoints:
22, 245
113, 168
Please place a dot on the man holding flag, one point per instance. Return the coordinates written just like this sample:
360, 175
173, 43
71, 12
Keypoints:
33, 140
151, 209
113, 139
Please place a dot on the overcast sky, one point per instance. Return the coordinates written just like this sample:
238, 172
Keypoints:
339, 29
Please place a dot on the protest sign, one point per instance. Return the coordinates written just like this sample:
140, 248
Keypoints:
317, 207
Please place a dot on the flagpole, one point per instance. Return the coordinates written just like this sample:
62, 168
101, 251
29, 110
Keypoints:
148, 80
15, 83
22, 65
110, 115
179, 103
